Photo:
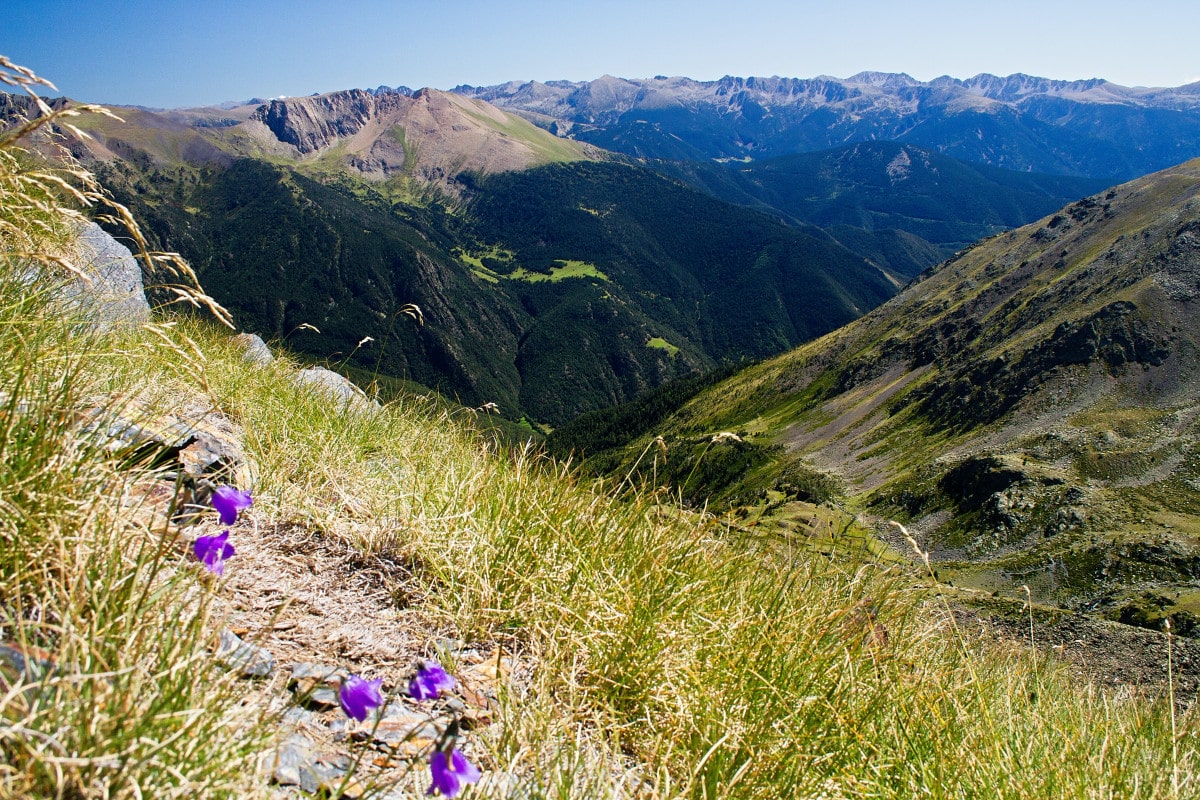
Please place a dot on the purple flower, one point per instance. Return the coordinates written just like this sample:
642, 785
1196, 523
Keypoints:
229, 502
213, 550
358, 696
451, 774
430, 680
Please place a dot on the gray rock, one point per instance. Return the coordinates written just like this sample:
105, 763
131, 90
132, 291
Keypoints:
110, 291
397, 725
322, 697
254, 349
249, 660
316, 685
201, 445
298, 762
305, 669
301, 716
336, 387
29, 665
294, 764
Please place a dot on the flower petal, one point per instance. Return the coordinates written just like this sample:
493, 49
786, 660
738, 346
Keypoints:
212, 551
429, 681
449, 774
358, 696
229, 502
467, 772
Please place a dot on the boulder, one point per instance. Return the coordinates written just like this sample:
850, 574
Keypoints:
107, 282
254, 349
337, 388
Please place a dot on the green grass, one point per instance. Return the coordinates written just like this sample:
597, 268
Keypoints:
660, 343
549, 148
567, 269
135, 706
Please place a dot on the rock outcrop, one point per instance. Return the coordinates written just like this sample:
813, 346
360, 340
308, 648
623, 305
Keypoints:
430, 135
107, 282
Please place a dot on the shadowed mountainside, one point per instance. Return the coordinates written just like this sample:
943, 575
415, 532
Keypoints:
889, 186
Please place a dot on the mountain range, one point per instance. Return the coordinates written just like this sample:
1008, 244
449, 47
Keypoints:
316, 219
1090, 128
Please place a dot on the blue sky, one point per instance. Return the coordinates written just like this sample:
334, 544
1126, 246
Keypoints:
164, 53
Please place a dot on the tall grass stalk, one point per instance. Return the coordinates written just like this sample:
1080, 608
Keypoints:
107, 688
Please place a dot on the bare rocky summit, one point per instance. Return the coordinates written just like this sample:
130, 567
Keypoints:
433, 135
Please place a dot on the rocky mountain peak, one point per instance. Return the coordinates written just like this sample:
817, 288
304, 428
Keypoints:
311, 123
427, 134
887, 80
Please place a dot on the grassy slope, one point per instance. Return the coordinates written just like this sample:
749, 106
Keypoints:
675, 657
1007, 352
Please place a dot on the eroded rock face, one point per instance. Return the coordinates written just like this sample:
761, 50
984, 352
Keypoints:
108, 286
428, 135
310, 123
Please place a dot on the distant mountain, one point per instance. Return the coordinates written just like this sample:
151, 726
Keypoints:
1031, 409
555, 278
403, 141
1087, 128
550, 284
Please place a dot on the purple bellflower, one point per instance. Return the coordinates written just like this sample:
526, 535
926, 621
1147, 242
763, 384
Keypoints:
450, 772
229, 502
430, 680
212, 551
359, 697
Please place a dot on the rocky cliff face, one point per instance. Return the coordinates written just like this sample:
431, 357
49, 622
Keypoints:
430, 135
312, 123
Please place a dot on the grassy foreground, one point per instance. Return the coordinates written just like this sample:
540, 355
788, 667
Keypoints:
672, 656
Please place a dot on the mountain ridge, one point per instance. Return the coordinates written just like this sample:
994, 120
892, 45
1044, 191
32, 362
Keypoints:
386, 197
422, 139
1063, 127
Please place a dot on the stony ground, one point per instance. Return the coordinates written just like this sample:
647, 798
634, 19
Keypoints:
320, 611
298, 610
